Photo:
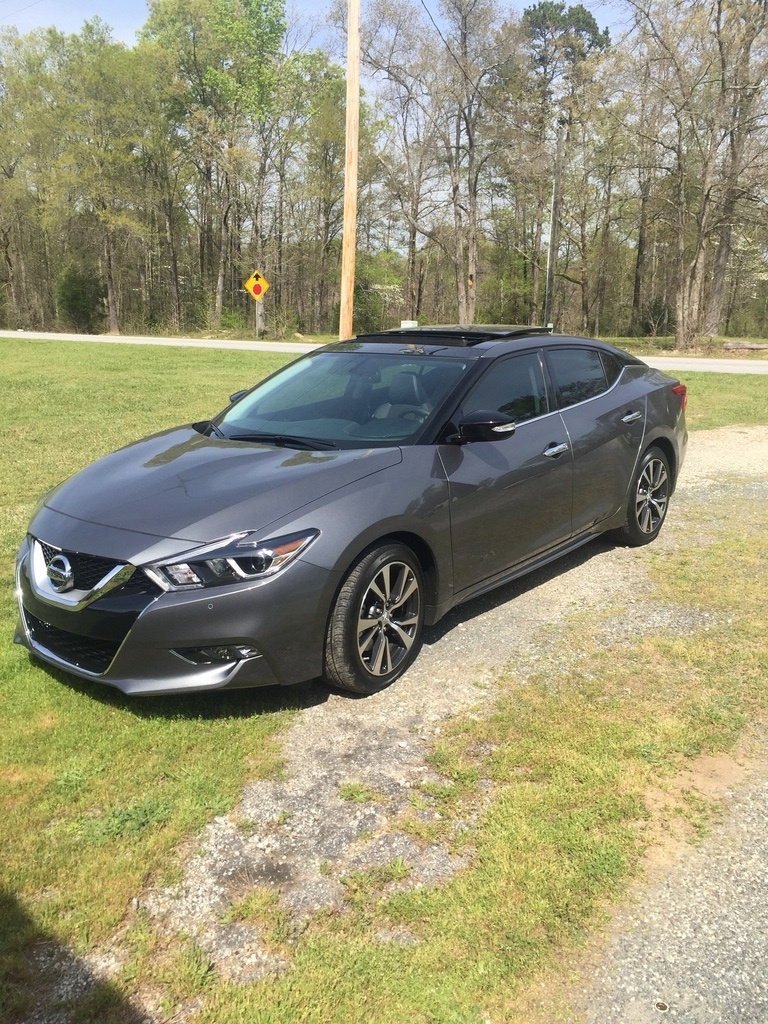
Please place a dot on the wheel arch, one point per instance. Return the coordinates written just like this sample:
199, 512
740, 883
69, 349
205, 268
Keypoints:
423, 552
668, 448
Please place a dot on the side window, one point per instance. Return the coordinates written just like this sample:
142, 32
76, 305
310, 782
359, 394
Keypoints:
514, 386
577, 374
612, 366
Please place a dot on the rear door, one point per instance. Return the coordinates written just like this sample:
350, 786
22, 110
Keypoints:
603, 405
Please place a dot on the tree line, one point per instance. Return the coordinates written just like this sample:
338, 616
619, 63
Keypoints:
515, 167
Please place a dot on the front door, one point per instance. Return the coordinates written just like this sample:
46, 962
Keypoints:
509, 499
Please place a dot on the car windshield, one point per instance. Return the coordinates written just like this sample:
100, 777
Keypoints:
349, 399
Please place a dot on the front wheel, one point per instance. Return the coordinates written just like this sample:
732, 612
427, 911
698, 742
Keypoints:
648, 500
374, 632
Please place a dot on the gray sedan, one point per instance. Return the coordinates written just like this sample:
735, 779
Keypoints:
316, 525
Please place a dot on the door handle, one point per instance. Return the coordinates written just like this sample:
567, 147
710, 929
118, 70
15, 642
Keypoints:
554, 450
631, 417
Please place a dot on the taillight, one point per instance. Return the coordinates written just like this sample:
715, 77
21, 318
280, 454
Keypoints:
682, 392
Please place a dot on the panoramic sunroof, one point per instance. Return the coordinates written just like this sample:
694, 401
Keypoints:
456, 334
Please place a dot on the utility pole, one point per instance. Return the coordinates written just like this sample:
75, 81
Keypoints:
554, 226
349, 231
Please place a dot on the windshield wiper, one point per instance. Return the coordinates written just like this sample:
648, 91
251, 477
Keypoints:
208, 428
310, 444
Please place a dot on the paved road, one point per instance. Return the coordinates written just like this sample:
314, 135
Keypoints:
678, 364
111, 339
686, 364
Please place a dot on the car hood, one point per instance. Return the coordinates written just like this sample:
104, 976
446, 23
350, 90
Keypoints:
180, 484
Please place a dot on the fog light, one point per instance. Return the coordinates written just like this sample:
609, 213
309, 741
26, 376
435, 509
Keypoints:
217, 653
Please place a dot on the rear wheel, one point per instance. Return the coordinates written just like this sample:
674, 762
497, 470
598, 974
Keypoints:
648, 500
374, 632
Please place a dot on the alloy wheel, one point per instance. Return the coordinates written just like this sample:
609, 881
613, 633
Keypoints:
389, 618
652, 496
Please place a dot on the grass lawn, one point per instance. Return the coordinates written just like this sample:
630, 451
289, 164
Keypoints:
99, 791
721, 399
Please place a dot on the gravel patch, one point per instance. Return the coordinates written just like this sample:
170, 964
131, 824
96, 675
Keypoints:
692, 947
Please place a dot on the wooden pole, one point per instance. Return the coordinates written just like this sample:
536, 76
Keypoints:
349, 237
554, 229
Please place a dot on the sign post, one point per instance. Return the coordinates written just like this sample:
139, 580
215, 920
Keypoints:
257, 286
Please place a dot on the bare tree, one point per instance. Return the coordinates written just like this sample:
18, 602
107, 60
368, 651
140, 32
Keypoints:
441, 74
707, 59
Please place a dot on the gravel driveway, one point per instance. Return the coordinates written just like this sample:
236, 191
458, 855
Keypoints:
303, 837
691, 947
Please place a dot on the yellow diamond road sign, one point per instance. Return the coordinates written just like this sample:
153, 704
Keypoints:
256, 286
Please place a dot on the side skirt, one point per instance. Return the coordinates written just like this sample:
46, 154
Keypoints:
523, 569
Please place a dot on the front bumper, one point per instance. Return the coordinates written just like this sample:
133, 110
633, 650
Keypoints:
129, 640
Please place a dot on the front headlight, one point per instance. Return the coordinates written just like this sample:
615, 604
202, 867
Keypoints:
241, 557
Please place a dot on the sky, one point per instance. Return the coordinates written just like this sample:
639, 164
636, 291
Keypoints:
126, 17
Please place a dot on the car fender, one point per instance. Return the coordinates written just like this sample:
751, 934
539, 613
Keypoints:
391, 503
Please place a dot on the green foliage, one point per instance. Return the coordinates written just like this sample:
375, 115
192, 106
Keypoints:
560, 37
80, 300
378, 291
224, 52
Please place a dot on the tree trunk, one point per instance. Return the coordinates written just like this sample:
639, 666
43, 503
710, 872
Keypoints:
536, 261
112, 317
223, 254
175, 285
641, 257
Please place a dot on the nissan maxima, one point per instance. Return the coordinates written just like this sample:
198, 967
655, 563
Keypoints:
316, 525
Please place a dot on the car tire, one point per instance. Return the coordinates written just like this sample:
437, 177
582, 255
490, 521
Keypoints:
648, 500
374, 632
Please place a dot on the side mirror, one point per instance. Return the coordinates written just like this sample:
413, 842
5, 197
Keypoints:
238, 395
484, 425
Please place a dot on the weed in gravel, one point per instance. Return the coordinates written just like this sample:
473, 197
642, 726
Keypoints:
357, 792
261, 906
364, 886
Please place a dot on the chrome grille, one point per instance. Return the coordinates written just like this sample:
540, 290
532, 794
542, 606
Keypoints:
89, 570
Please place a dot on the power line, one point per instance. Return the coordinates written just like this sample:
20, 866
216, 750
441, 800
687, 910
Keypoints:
21, 10
475, 86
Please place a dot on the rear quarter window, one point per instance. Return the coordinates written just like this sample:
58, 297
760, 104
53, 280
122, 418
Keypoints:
612, 366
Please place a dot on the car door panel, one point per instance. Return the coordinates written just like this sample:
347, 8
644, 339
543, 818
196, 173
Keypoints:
606, 435
509, 500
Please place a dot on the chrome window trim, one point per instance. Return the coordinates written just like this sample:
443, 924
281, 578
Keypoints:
594, 398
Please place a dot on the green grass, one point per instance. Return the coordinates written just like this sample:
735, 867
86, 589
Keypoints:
99, 791
723, 399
